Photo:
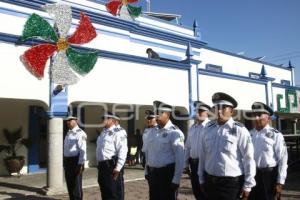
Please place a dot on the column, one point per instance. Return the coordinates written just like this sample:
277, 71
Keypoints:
55, 173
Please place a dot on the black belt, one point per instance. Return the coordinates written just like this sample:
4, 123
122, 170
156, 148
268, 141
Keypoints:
266, 169
161, 168
108, 163
213, 178
71, 158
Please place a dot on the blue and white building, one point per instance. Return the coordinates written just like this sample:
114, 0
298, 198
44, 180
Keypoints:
126, 79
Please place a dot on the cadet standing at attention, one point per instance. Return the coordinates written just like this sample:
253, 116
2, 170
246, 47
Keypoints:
226, 165
270, 154
74, 158
192, 145
150, 123
111, 155
165, 155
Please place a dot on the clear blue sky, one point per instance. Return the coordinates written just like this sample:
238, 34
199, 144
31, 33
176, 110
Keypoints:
268, 28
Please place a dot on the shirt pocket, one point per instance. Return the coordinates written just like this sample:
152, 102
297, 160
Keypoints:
109, 143
268, 144
209, 144
230, 144
164, 144
72, 144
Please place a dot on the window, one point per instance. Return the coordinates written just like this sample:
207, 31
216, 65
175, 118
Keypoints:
215, 68
285, 82
254, 75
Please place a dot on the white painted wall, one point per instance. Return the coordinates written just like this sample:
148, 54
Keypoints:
239, 66
16, 81
244, 93
131, 83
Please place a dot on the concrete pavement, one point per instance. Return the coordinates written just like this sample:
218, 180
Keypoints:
136, 188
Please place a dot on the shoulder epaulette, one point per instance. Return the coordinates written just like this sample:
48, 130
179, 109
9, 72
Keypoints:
78, 130
274, 130
239, 124
116, 129
211, 124
174, 127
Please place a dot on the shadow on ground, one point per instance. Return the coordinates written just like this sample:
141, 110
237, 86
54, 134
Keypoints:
18, 196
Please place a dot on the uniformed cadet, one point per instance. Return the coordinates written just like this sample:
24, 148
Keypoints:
226, 166
165, 155
192, 145
111, 155
150, 123
270, 154
74, 158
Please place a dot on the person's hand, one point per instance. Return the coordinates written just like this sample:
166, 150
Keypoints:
79, 170
244, 194
115, 174
174, 186
278, 190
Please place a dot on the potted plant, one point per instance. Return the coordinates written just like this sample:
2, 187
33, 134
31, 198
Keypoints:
15, 140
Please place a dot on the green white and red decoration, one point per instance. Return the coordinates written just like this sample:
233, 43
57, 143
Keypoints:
123, 9
65, 58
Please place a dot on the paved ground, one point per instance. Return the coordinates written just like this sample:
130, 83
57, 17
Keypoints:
26, 187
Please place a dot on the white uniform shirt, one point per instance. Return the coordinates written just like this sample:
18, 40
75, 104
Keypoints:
145, 135
75, 144
165, 146
270, 150
112, 142
227, 150
192, 143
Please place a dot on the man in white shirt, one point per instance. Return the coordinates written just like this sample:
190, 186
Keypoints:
192, 145
111, 155
74, 158
165, 155
150, 123
226, 165
270, 154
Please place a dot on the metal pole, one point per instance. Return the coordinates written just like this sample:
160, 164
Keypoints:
295, 126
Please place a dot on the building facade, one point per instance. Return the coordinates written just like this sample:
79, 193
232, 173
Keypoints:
126, 80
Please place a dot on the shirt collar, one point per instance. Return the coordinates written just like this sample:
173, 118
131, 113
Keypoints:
264, 130
74, 129
229, 123
205, 122
168, 125
111, 128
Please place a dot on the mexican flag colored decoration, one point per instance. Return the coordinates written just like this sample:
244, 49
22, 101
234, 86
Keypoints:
66, 60
124, 9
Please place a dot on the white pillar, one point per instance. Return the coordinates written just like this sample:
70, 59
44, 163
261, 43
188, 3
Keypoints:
55, 180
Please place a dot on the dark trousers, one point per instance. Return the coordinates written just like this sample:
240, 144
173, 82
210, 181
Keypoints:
74, 181
110, 189
225, 188
195, 179
160, 183
265, 184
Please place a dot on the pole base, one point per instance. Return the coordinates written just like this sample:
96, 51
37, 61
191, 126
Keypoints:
50, 191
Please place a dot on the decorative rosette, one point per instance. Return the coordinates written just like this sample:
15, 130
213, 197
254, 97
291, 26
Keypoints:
65, 57
123, 9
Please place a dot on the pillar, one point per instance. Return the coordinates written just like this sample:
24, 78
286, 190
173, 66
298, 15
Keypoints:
55, 180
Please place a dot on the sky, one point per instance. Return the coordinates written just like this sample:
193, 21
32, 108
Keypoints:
254, 28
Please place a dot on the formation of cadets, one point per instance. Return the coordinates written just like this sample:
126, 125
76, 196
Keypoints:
224, 160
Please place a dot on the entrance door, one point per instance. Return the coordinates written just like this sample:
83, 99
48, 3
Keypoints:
37, 152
